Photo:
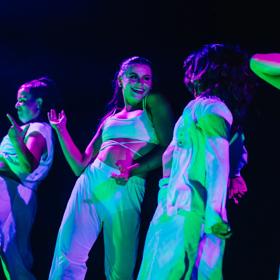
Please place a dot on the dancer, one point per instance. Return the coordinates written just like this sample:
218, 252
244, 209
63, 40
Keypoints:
26, 155
191, 213
108, 193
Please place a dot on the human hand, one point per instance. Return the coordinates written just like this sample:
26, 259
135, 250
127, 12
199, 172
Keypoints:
236, 188
125, 172
58, 122
16, 133
221, 230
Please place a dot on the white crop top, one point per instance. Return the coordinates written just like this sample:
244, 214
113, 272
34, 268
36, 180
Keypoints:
138, 128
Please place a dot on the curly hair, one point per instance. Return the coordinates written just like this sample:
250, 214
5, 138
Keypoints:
221, 70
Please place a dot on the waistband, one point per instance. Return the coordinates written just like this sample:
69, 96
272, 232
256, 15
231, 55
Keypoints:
109, 170
105, 167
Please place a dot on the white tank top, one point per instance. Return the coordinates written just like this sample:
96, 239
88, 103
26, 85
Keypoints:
32, 180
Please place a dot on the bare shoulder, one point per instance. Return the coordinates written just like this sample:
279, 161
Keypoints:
155, 99
162, 117
157, 104
37, 137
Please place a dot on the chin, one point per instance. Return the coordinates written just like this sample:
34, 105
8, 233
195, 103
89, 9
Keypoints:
23, 120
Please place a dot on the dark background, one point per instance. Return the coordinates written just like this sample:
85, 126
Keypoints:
80, 45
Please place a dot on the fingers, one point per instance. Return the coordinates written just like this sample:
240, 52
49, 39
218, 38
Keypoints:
125, 171
61, 115
121, 164
120, 180
12, 121
222, 230
54, 117
224, 235
237, 189
133, 166
235, 200
119, 176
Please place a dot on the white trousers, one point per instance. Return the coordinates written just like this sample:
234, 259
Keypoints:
18, 206
177, 248
97, 201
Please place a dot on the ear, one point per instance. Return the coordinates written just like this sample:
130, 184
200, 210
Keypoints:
39, 102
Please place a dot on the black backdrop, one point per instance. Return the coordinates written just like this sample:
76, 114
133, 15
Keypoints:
80, 45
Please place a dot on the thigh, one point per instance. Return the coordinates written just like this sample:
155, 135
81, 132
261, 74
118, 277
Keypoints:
121, 229
80, 225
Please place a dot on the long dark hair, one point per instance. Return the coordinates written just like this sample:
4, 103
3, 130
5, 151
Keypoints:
221, 70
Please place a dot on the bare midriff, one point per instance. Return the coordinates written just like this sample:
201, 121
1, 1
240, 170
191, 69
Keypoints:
114, 153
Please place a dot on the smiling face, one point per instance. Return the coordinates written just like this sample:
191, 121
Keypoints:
136, 82
28, 108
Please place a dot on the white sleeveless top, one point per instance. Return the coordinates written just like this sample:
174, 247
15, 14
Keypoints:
34, 179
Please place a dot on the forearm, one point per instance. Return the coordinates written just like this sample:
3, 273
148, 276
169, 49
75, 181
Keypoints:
266, 70
150, 162
268, 64
72, 154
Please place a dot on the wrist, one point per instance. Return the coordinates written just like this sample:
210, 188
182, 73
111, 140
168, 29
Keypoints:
60, 129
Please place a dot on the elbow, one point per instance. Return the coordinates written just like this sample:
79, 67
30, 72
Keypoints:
79, 168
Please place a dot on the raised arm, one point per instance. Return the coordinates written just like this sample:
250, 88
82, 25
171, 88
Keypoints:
77, 160
29, 149
267, 67
163, 121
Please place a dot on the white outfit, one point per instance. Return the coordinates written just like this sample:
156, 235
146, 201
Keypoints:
18, 203
192, 199
97, 202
